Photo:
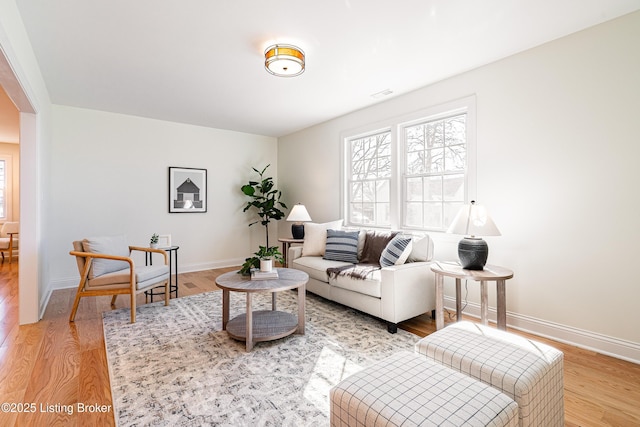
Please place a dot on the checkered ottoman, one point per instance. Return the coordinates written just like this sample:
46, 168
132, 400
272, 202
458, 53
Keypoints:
407, 389
525, 370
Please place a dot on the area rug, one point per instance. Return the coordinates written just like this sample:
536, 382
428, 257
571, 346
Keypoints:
176, 366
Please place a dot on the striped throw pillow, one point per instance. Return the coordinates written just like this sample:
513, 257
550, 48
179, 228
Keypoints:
342, 246
396, 252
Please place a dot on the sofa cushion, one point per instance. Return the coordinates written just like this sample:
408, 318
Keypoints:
396, 252
342, 246
316, 267
422, 248
315, 237
370, 285
108, 245
374, 244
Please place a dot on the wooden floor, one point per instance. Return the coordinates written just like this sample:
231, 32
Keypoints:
55, 372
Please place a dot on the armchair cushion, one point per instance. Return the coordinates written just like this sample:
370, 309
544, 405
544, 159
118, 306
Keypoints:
145, 275
108, 245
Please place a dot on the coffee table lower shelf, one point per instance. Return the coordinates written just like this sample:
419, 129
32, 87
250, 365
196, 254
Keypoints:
267, 325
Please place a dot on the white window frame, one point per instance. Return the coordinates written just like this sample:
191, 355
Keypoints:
396, 125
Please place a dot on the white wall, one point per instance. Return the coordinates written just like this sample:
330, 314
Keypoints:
558, 145
110, 176
22, 81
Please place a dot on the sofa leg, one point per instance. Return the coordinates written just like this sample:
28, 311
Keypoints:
392, 327
433, 314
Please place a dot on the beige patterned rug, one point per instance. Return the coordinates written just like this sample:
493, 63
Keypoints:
176, 367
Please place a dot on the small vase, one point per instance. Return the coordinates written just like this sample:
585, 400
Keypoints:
266, 265
153, 245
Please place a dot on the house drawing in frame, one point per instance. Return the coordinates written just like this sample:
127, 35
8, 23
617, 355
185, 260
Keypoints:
188, 196
187, 190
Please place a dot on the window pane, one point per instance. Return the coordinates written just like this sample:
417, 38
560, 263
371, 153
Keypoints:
450, 212
454, 188
415, 163
456, 130
382, 214
382, 191
415, 138
414, 189
413, 217
433, 189
369, 191
368, 213
435, 160
433, 215
356, 192
455, 158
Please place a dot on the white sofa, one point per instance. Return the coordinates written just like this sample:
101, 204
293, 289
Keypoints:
394, 294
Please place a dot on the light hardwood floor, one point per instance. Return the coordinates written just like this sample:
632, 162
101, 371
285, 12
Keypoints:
55, 365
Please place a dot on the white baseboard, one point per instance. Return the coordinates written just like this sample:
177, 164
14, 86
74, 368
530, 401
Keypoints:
610, 346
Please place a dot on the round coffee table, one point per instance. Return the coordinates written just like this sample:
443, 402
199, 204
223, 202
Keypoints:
263, 325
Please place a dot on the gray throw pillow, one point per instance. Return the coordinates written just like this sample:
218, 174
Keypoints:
342, 246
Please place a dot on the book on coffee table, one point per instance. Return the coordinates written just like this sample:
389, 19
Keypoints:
264, 275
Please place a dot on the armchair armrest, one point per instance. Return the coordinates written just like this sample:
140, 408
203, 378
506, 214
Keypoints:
143, 249
91, 255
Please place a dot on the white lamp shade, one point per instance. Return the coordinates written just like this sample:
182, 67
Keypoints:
299, 214
473, 220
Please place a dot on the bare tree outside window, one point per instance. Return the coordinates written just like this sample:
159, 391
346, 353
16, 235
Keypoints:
370, 174
434, 175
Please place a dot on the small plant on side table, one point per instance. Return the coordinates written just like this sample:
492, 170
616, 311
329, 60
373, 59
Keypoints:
153, 242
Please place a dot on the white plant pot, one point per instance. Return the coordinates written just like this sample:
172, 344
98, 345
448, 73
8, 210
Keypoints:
266, 265
153, 245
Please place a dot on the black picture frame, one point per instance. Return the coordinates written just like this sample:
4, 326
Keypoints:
187, 190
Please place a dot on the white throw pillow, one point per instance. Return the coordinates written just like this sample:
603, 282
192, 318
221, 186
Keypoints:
315, 237
115, 245
422, 249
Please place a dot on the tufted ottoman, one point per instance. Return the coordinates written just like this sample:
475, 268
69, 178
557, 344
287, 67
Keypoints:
409, 390
527, 371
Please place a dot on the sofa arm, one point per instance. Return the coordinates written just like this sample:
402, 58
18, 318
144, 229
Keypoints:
294, 252
407, 290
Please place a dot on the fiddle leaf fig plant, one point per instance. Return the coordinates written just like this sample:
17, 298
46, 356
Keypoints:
265, 202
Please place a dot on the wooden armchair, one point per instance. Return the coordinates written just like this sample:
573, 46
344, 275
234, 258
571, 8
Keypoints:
9, 239
106, 268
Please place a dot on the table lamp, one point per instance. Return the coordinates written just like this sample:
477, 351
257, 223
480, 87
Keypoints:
473, 221
298, 215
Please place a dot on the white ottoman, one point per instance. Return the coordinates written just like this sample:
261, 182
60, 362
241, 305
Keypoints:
527, 371
407, 389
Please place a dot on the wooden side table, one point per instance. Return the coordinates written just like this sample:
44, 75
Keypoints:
490, 273
286, 243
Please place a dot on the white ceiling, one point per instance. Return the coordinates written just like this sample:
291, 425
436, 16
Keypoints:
201, 61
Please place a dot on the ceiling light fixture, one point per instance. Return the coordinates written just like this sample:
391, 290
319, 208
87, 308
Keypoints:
284, 60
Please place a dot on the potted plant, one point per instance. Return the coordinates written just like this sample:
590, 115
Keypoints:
264, 254
153, 242
265, 201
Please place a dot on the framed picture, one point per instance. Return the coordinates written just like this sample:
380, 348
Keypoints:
187, 190
164, 241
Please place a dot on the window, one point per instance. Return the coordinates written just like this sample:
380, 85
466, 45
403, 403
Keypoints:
369, 177
5, 187
434, 171
414, 172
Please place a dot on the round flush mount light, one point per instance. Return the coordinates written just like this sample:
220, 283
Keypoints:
284, 60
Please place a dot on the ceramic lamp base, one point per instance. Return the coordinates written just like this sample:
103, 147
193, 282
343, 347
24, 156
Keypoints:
297, 231
473, 253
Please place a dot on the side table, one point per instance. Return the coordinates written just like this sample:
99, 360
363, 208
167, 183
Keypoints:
490, 273
286, 243
173, 272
